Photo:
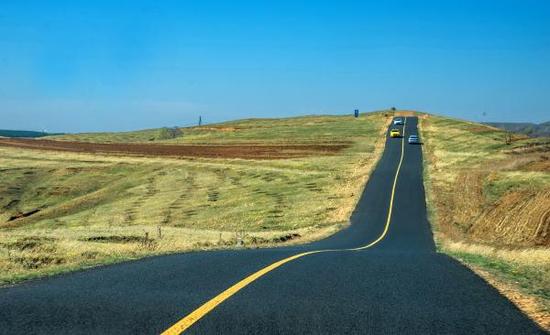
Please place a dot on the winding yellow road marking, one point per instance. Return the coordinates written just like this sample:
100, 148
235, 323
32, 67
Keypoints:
183, 324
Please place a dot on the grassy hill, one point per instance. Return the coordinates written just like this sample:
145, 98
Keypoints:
490, 205
304, 130
61, 211
137, 136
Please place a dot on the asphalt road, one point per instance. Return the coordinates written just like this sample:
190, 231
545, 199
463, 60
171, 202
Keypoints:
399, 285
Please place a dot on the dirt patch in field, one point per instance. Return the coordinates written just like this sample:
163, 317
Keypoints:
30, 243
543, 164
23, 215
533, 147
205, 151
116, 239
517, 218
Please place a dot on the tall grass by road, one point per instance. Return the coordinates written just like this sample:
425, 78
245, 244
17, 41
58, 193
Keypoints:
61, 211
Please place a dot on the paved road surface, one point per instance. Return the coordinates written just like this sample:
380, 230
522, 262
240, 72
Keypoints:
399, 285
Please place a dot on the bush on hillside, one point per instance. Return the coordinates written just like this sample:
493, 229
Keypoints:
169, 133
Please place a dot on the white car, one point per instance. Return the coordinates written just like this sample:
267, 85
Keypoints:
413, 139
398, 122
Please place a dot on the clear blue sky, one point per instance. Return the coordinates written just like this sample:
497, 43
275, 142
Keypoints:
120, 65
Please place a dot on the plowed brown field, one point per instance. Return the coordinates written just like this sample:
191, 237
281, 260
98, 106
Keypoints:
252, 151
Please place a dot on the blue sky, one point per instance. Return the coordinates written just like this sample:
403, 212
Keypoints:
121, 65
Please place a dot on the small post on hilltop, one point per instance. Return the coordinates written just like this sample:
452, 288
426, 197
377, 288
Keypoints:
200, 120
356, 113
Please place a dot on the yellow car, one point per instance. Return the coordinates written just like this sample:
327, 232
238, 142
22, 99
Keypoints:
395, 133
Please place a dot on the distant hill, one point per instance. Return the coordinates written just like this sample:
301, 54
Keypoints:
23, 133
530, 129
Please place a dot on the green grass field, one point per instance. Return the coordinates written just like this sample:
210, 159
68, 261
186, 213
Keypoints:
61, 211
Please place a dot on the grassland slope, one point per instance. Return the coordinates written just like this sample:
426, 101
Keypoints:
489, 200
304, 130
61, 211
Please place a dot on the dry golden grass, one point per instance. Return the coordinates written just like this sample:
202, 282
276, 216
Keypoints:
39, 252
484, 193
97, 209
489, 204
535, 257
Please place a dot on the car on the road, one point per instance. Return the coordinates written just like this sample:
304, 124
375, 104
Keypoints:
413, 139
395, 133
398, 122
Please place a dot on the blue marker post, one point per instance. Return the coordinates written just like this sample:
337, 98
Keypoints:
356, 113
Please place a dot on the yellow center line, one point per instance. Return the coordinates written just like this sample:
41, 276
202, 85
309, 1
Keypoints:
183, 324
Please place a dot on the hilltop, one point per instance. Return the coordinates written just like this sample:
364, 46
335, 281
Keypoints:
303, 129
